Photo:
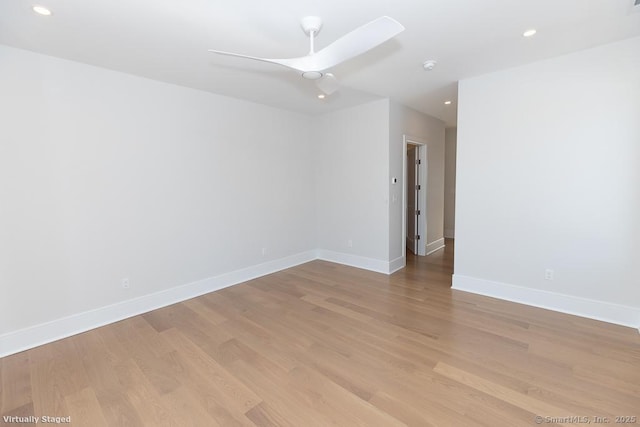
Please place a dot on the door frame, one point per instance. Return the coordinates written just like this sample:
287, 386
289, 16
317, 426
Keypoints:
413, 169
422, 201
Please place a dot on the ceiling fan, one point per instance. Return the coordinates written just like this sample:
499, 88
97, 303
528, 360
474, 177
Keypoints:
314, 65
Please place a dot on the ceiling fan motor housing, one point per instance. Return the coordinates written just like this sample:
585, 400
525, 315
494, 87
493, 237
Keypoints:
311, 23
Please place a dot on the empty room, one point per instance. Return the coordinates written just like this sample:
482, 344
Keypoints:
304, 213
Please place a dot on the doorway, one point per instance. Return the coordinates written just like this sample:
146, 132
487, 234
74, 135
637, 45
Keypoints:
414, 197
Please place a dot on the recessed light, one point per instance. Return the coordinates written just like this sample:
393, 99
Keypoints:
529, 33
429, 64
321, 96
447, 102
41, 10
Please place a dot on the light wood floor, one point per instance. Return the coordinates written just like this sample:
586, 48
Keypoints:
323, 344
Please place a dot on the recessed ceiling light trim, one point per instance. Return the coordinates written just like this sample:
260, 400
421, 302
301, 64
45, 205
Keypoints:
41, 10
429, 64
321, 96
447, 102
530, 32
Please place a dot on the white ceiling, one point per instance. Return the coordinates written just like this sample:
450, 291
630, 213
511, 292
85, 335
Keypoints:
168, 40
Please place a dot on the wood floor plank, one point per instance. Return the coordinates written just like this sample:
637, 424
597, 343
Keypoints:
15, 380
261, 341
506, 394
341, 370
84, 408
264, 416
204, 311
50, 399
164, 373
269, 381
328, 397
143, 396
224, 387
326, 344
185, 404
405, 412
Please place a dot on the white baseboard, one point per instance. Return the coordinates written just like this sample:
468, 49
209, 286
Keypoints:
365, 263
397, 264
449, 233
435, 246
583, 307
23, 339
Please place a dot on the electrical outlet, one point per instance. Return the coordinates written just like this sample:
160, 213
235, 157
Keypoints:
548, 274
350, 243
264, 251
125, 283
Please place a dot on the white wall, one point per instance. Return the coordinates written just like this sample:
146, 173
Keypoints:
105, 175
406, 121
450, 140
549, 177
351, 160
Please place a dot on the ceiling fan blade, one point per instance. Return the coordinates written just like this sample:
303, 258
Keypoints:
328, 83
351, 44
356, 42
302, 64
